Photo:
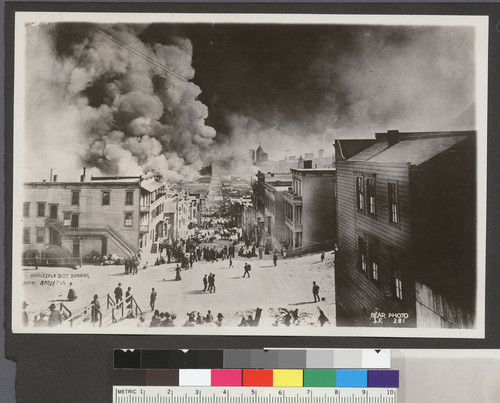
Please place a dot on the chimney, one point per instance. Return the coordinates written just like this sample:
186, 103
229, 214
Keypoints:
54, 179
321, 153
82, 177
392, 137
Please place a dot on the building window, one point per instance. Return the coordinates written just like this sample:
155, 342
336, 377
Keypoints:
393, 203
41, 210
26, 209
129, 198
128, 219
360, 194
67, 219
370, 193
374, 272
298, 212
26, 236
40, 235
397, 277
362, 254
75, 197
75, 220
106, 197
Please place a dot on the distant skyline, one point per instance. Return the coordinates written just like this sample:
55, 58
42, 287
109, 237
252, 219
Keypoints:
124, 98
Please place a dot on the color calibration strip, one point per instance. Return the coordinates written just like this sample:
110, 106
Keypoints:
252, 359
338, 378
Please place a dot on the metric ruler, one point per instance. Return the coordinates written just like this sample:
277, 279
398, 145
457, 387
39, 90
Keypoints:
163, 394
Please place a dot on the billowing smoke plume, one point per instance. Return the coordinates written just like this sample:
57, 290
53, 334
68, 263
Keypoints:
93, 102
291, 88
322, 83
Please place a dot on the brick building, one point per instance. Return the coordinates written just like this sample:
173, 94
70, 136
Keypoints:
104, 215
406, 221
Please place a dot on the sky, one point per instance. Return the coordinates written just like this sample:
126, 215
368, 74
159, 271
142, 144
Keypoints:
124, 99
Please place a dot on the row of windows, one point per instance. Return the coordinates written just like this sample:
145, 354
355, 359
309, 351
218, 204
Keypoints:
39, 235
106, 197
366, 198
369, 264
70, 220
75, 201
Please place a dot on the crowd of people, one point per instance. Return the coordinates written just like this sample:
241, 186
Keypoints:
194, 318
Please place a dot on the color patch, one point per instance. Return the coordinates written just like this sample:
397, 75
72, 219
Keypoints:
178, 359
129, 377
237, 359
347, 359
383, 379
319, 359
375, 359
127, 359
162, 377
265, 359
320, 378
291, 359
352, 378
257, 377
226, 377
287, 377
195, 377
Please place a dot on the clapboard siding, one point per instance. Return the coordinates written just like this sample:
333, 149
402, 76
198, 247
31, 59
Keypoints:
358, 295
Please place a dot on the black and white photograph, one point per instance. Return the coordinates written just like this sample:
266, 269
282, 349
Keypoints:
245, 174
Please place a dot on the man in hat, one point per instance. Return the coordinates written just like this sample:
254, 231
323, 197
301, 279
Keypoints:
71, 293
55, 317
220, 317
152, 299
118, 293
316, 292
96, 308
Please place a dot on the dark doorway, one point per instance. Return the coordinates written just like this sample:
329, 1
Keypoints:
104, 247
76, 249
54, 238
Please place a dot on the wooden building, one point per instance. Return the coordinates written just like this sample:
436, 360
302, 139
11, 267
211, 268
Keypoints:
407, 230
310, 214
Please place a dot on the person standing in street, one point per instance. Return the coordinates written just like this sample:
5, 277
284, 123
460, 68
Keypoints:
230, 262
96, 308
152, 299
55, 318
247, 268
205, 283
275, 259
316, 292
118, 293
322, 257
178, 273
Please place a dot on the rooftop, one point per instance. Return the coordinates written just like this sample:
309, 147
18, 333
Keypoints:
414, 148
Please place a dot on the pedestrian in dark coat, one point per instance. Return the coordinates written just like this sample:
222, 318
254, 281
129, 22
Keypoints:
55, 317
275, 259
152, 299
178, 273
118, 293
96, 308
322, 257
247, 268
316, 292
205, 283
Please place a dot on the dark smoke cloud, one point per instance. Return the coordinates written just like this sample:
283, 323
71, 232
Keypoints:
286, 87
118, 113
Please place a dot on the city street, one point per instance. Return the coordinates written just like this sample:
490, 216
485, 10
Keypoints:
289, 285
